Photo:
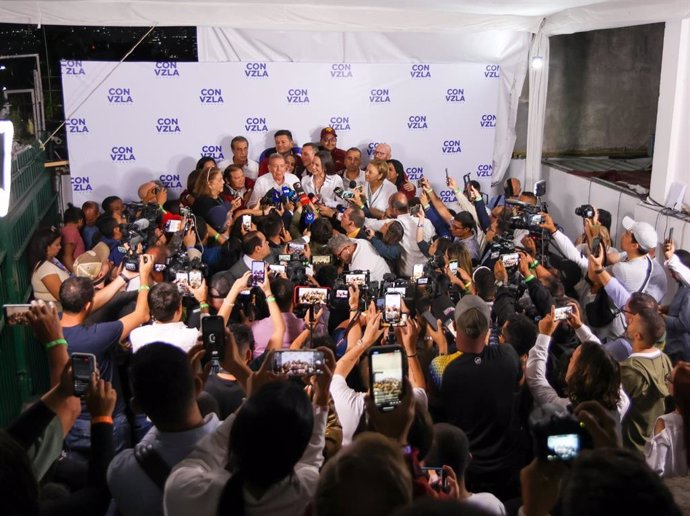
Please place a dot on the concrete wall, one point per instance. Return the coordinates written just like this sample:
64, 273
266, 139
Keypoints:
603, 91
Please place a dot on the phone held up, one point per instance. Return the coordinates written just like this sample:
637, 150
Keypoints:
83, 365
213, 336
303, 362
387, 376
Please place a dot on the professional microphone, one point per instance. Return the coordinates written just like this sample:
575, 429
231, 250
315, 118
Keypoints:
140, 224
299, 193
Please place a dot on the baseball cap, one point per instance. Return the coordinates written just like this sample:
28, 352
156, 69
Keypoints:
470, 302
88, 265
644, 233
328, 131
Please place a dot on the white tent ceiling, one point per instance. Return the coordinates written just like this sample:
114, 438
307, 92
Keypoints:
562, 16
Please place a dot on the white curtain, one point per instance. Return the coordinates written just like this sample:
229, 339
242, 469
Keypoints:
508, 49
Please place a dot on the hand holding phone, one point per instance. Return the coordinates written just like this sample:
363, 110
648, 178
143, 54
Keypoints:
258, 273
83, 365
387, 376
213, 336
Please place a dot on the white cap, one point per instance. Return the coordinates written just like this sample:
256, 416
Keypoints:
644, 233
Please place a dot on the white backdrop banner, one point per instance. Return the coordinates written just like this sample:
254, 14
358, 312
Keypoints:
139, 121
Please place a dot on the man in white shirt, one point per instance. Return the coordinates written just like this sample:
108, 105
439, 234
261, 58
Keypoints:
359, 255
240, 151
353, 170
309, 150
276, 179
398, 209
165, 306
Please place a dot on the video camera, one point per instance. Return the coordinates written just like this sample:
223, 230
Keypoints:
185, 271
524, 216
586, 211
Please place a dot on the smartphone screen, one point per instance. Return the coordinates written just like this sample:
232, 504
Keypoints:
417, 271
562, 447
510, 260
276, 268
466, 180
359, 279
17, 314
284, 258
213, 335
195, 278
298, 362
83, 364
258, 273
453, 266
305, 296
319, 259
392, 309
561, 313
173, 226
247, 222
387, 373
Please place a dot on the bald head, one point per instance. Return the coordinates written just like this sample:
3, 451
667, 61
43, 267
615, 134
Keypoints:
398, 203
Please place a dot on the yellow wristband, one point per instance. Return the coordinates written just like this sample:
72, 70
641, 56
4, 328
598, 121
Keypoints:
144, 287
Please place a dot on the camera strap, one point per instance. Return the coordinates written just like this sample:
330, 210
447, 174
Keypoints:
650, 268
152, 464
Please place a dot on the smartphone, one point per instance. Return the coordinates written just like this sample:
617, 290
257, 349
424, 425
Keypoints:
466, 180
213, 335
276, 268
414, 211
438, 478
563, 447
447, 178
417, 271
258, 273
360, 279
83, 365
305, 296
247, 222
303, 362
510, 259
295, 248
453, 266
561, 313
173, 226
195, 278
182, 282
670, 235
284, 258
596, 246
419, 181
387, 376
321, 259
309, 270
16, 314
392, 309
430, 319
